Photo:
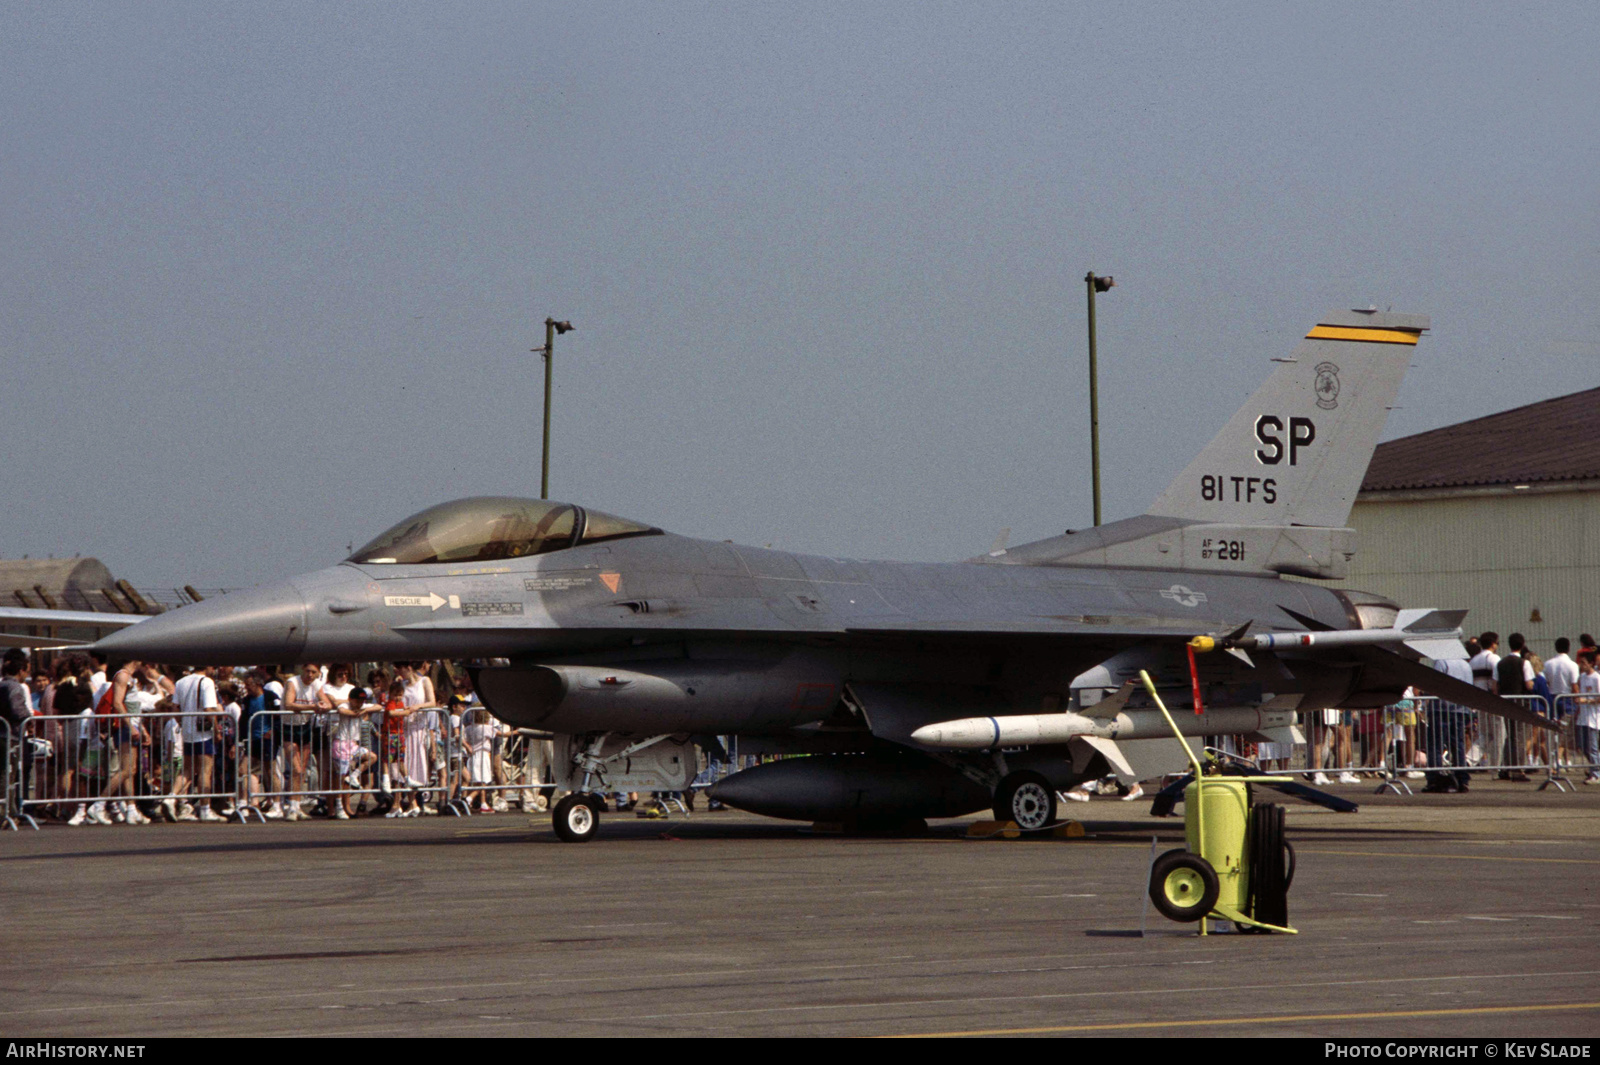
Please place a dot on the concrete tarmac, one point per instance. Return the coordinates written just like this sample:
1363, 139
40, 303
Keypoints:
1421, 916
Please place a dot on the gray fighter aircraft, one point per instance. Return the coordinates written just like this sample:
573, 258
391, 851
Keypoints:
918, 690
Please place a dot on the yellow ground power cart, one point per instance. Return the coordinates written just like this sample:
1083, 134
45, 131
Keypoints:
1236, 866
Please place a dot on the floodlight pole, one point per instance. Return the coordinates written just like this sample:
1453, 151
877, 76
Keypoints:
549, 354
1094, 284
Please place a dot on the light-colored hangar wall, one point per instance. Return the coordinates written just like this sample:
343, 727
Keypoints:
1523, 561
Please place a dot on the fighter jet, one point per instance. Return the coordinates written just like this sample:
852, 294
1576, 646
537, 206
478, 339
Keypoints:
917, 689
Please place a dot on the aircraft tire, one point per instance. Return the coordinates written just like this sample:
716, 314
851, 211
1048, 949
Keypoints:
1026, 798
576, 818
1183, 886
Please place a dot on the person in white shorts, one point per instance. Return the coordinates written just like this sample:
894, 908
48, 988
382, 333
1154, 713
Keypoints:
302, 699
196, 696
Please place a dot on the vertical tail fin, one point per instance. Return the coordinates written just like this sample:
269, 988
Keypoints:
1297, 452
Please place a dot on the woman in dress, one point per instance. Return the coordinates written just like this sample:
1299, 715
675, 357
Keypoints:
420, 705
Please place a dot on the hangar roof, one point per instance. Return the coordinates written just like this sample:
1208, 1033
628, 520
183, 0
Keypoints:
1555, 440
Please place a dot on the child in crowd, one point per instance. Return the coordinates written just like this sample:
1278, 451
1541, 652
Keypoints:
228, 696
394, 753
350, 758
478, 736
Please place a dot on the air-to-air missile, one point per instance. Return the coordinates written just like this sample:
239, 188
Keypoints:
1026, 730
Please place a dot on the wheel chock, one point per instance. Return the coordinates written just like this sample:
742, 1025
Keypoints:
1011, 830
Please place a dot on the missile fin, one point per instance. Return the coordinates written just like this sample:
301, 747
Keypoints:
1112, 753
1113, 704
1429, 620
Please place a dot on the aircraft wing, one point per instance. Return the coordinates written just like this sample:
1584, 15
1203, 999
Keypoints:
41, 643
1055, 625
14, 615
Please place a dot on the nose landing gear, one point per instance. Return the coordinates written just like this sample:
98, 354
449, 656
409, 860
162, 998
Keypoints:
577, 817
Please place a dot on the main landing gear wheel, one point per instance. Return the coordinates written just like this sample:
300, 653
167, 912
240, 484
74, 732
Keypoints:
1026, 798
1183, 886
577, 818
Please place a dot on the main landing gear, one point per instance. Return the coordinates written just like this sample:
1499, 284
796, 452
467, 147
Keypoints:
659, 761
1026, 798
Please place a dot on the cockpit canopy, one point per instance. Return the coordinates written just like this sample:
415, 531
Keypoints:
488, 528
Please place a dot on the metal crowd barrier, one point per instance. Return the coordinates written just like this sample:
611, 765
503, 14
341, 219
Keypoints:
268, 768
1432, 737
286, 758
1445, 741
103, 765
432, 760
1581, 746
11, 780
1347, 747
493, 765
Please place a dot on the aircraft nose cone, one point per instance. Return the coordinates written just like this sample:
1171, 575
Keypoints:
266, 624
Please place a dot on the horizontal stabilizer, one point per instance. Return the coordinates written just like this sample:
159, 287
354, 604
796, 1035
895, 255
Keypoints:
1389, 668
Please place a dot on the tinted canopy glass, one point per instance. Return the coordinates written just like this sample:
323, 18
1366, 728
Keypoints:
486, 528
598, 525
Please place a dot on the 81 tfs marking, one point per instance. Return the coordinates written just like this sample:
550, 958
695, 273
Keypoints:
1243, 489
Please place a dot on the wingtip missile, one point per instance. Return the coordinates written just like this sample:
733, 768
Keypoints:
1424, 626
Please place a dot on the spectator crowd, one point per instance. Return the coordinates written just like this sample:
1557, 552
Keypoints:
146, 742
1445, 742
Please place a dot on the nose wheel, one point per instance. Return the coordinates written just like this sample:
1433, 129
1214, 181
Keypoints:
577, 817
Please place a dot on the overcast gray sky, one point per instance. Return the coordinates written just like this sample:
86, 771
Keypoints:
271, 272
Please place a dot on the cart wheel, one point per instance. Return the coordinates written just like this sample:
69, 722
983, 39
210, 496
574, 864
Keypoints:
576, 819
1183, 886
1271, 865
1026, 798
